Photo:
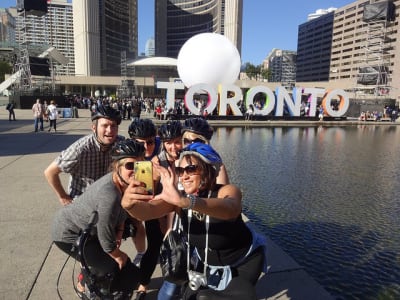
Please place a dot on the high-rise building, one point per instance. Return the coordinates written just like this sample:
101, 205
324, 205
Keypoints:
55, 29
361, 43
103, 29
149, 50
314, 49
282, 66
352, 50
7, 26
176, 21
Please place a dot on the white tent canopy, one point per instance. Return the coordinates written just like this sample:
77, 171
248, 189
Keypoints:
156, 61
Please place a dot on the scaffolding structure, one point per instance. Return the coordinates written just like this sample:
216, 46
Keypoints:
127, 89
21, 66
35, 72
373, 78
288, 77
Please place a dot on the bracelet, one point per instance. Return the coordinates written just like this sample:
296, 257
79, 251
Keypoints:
193, 200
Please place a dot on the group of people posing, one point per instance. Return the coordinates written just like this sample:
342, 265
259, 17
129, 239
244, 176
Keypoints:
190, 181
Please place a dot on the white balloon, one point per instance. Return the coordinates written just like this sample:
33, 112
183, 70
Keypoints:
208, 58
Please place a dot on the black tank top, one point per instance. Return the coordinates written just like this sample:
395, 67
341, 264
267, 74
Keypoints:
228, 240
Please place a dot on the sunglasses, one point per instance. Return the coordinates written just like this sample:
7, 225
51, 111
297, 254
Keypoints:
190, 170
189, 141
129, 166
149, 142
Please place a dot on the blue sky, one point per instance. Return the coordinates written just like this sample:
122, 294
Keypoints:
266, 24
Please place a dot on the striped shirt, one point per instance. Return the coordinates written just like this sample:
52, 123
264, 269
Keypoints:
85, 162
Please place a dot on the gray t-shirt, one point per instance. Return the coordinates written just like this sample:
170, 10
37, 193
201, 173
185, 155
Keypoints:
102, 196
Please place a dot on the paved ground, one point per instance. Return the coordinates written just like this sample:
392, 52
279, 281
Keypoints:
31, 267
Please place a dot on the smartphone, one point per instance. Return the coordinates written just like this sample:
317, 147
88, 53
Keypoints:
144, 173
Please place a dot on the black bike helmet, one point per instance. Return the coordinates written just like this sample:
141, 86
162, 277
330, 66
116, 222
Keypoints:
127, 148
199, 126
106, 111
170, 130
142, 129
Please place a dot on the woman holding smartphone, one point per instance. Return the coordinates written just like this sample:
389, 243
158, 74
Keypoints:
211, 215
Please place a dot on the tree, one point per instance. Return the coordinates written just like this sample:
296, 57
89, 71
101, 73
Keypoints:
256, 72
5, 68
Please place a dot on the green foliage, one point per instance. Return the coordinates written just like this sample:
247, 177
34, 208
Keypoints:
256, 72
5, 68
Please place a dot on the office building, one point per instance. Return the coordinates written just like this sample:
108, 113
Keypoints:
359, 44
103, 29
149, 50
314, 49
176, 21
282, 66
7, 27
352, 51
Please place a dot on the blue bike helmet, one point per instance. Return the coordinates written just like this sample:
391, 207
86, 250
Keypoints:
127, 148
107, 112
203, 151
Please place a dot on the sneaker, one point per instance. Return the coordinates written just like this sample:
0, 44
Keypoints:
137, 259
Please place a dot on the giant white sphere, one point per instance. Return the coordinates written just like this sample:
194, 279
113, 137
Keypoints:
208, 58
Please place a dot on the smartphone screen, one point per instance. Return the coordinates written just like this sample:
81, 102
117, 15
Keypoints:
144, 173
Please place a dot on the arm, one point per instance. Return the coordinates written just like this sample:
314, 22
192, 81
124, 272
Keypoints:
119, 256
227, 205
52, 175
222, 177
140, 205
119, 233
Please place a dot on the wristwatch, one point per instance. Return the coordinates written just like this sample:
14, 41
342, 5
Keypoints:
193, 199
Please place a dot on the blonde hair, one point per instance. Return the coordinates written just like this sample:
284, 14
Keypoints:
191, 135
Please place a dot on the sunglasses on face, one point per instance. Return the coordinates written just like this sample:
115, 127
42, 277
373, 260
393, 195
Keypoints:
129, 165
190, 170
189, 141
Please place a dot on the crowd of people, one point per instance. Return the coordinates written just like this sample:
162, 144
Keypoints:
388, 113
190, 180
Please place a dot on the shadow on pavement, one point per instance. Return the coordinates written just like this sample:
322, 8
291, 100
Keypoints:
36, 142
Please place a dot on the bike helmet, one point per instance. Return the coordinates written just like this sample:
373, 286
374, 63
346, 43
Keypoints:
127, 148
142, 128
170, 130
106, 111
203, 151
199, 126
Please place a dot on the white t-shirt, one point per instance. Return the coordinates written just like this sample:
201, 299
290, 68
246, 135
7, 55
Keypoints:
53, 113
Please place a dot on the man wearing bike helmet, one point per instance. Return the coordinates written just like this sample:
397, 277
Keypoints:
106, 269
87, 159
198, 130
144, 131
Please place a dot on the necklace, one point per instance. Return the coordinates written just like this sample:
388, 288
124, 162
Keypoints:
199, 216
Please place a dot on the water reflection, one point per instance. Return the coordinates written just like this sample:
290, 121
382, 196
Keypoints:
328, 196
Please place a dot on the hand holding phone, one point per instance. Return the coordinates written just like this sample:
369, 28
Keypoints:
144, 173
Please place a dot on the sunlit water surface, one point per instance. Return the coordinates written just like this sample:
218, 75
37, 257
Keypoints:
328, 196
